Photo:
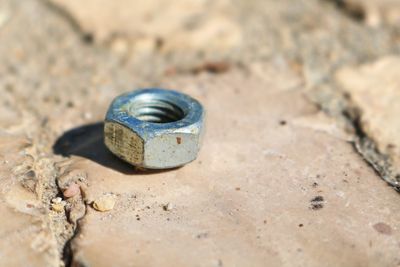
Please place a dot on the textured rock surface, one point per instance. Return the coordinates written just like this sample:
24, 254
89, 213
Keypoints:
250, 197
277, 180
150, 25
26, 234
373, 89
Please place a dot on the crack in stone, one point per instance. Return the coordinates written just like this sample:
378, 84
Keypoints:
337, 104
59, 225
68, 254
65, 255
76, 208
368, 149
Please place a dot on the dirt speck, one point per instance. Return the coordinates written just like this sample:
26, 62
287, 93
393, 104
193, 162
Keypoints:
202, 235
317, 203
317, 206
30, 174
317, 199
70, 104
383, 228
168, 207
212, 67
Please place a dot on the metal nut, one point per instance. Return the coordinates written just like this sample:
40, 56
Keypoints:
154, 128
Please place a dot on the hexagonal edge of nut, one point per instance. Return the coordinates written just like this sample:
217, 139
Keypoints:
124, 143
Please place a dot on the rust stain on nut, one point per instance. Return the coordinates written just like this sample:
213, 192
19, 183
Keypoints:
178, 140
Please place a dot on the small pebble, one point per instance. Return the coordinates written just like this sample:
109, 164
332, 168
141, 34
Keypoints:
58, 207
168, 207
104, 203
56, 200
72, 190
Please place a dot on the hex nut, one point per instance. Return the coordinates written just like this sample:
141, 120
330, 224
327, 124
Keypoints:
154, 128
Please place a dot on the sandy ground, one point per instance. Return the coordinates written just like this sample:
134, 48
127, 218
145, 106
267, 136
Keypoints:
300, 161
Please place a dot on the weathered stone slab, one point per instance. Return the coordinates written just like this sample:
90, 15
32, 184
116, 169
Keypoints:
373, 89
277, 182
266, 188
25, 231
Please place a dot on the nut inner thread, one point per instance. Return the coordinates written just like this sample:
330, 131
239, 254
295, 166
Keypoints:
157, 110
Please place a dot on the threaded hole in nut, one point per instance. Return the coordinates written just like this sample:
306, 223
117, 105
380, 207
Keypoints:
151, 109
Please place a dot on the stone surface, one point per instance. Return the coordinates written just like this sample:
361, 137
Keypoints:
373, 90
249, 198
150, 25
24, 229
277, 180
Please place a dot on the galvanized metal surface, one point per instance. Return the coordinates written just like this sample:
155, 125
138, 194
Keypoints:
154, 128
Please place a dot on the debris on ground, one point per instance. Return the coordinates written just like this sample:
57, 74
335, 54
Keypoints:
168, 207
104, 203
57, 204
